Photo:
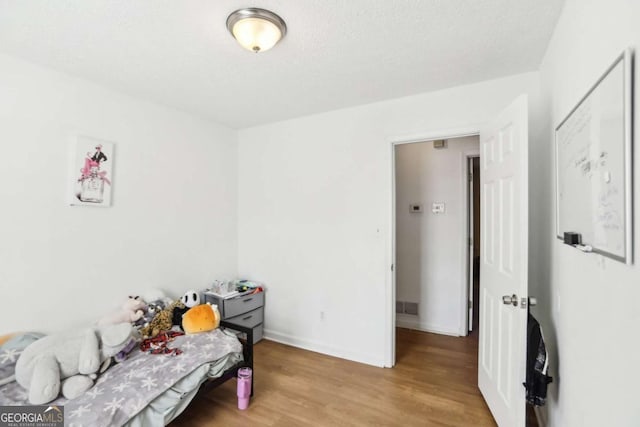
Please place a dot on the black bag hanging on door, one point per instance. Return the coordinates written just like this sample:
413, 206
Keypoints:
537, 364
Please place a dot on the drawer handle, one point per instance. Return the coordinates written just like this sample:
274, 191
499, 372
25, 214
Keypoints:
248, 299
247, 318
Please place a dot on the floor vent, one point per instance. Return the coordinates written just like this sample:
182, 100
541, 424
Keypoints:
411, 308
403, 307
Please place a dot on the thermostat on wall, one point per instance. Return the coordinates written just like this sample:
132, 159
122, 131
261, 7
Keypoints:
415, 208
437, 207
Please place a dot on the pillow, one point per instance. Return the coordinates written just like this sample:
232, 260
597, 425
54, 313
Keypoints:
10, 352
201, 318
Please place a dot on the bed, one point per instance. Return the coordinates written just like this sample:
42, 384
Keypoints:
152, 390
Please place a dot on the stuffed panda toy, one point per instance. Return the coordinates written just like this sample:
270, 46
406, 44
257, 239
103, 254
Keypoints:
189, 299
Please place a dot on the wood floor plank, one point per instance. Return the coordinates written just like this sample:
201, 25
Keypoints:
434, 383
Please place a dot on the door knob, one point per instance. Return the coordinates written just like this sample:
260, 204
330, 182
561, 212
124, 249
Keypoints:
510, 299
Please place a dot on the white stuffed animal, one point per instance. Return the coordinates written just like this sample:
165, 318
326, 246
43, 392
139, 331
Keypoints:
155, 295
131, 311
75, 357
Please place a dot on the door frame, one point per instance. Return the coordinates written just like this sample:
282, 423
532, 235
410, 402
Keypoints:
468, 268
390, 289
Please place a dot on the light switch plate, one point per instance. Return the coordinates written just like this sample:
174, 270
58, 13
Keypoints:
438, 207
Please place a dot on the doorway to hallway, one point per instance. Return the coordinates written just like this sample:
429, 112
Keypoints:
437, 234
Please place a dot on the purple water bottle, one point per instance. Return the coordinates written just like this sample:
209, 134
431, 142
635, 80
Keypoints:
244, 387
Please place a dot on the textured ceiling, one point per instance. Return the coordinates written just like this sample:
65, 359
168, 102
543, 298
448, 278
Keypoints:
337, 53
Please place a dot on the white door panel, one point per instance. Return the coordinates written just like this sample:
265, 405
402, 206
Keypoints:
503, 272
470, 252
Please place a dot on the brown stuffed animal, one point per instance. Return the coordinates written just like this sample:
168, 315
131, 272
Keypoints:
162, 322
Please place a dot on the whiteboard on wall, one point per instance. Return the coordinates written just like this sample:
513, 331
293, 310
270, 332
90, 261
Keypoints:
593, 165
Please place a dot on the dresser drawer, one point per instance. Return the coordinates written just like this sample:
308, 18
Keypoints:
236, 306
250, 319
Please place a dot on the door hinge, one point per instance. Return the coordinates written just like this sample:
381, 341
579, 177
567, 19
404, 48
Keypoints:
470, 304
470, 177
391, 267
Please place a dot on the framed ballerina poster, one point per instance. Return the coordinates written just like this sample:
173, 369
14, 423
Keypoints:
91, 172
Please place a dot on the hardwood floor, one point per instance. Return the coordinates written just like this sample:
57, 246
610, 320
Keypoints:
433, 384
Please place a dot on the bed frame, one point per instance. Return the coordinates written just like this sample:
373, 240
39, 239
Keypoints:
247, 351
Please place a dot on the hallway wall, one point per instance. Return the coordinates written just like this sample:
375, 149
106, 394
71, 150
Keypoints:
430, 251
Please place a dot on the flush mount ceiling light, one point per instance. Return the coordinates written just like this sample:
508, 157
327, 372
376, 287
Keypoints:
256, 29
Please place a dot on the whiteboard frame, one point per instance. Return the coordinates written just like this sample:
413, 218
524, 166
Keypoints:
627, 58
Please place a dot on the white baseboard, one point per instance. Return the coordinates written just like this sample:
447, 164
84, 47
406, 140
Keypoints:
322, 348
414, 323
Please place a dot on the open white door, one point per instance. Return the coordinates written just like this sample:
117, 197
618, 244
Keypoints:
471, 243
503, 269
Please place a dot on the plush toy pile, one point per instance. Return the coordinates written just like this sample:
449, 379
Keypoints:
163, 321
70, 361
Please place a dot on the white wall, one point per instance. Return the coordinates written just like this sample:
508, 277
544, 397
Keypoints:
430, 248
173, 219
315, 211
588, 305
